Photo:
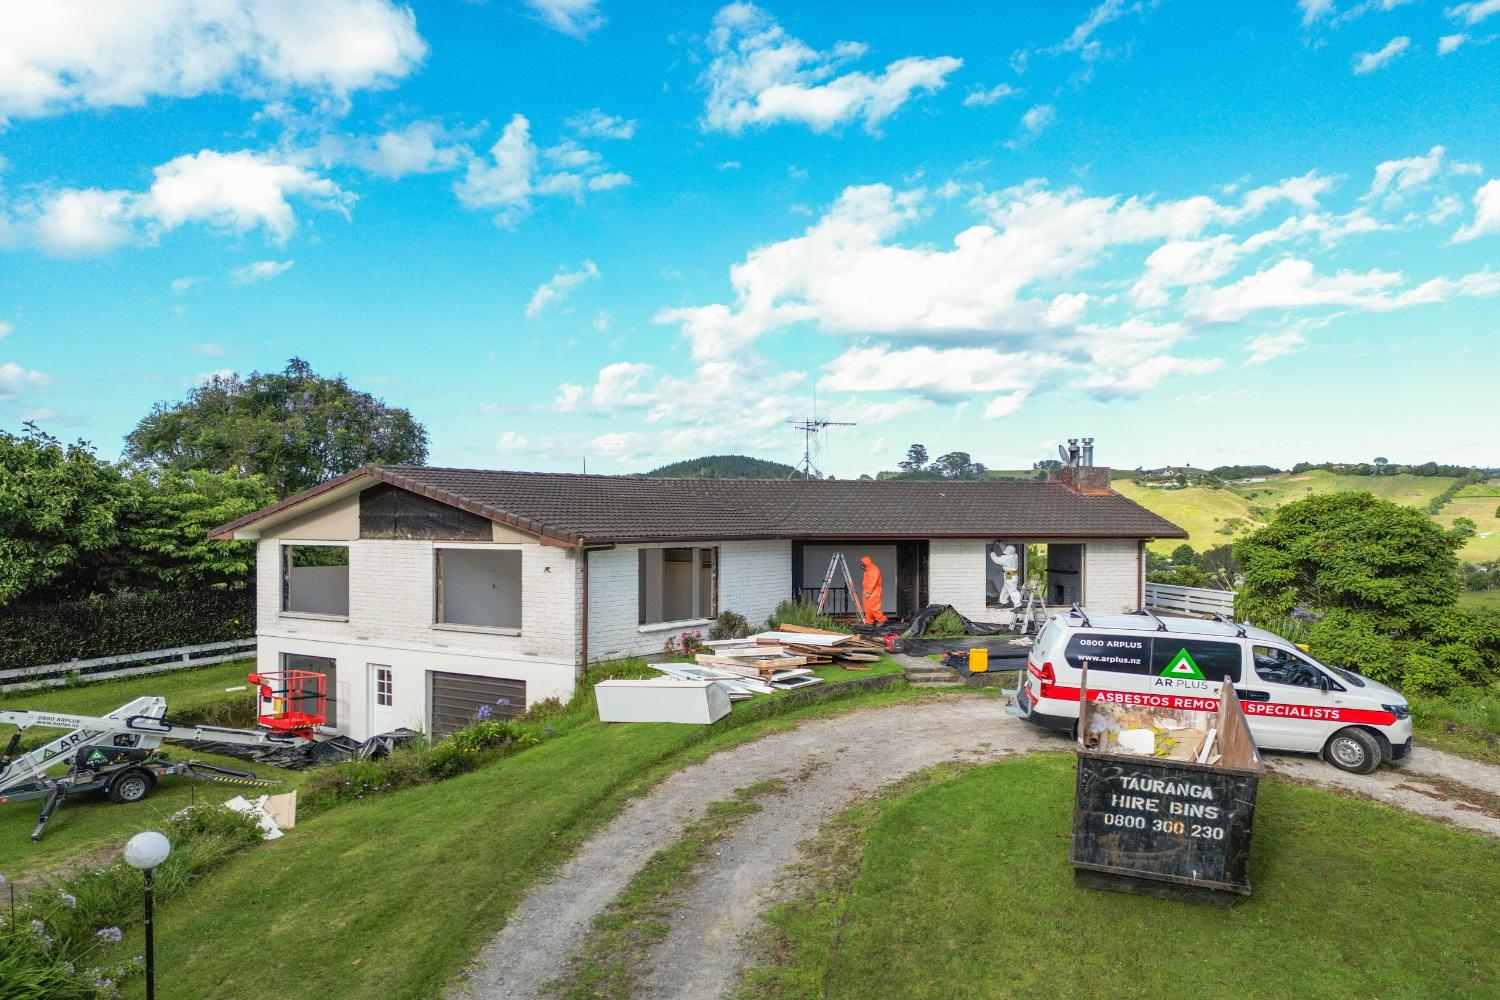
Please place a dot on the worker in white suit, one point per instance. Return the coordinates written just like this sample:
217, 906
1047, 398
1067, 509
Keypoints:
1010, 568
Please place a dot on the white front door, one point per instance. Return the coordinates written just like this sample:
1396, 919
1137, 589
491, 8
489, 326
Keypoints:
382, 699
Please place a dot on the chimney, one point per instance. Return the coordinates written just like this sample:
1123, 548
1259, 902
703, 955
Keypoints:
1085, 478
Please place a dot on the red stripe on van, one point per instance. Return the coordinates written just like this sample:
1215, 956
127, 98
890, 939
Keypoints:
1281, 710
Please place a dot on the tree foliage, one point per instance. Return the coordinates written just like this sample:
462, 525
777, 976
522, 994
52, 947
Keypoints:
723, 467
1381, 580
916, 459
293, 427
74, 526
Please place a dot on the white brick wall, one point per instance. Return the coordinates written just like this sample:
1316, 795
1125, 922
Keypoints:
1112, 576
753, 578
955, 575
391, 610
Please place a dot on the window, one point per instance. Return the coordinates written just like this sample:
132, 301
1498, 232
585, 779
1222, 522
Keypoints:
1282, 666
1156, 656
315, 580
1194, 659
324, 665
677, 585
479, 587
384, 687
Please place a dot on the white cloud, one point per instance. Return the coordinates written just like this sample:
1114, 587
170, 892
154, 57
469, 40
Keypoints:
180, 285
1081, 38
559, 287
578, 18
595, 124
1038, 118
62, 55
16, 381
511, 441
1486, 214
260, 270
512, 177
239, 192
1450, 43
421, 147
1369, 62
760, 75
6, 329
1472, 13
1399, 177
935, 372
731, 165
1361, 9
1269, 346
221, 374
1296, 284
209, 350
982, 97
1315, 10
871, 412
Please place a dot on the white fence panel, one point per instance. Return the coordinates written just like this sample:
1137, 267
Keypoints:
1190, 600
103, 668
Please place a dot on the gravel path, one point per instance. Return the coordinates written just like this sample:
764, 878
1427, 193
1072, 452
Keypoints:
827, 764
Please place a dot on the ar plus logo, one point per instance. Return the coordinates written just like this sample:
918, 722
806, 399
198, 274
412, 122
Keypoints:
1182, 665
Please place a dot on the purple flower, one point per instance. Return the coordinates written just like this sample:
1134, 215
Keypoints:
69, 900
109, 935
483, 713
503, 702
38, 928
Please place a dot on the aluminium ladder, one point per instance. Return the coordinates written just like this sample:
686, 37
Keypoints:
839, 562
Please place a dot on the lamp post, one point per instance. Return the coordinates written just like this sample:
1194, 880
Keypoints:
145, 851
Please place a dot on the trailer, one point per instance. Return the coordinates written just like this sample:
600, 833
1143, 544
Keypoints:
119, 755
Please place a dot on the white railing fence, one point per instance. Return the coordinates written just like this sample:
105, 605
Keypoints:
102, 668
1191, 600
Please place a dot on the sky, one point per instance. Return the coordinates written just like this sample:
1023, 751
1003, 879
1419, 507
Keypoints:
586, 232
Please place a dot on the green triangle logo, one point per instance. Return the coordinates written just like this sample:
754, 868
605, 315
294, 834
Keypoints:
97, 757
1182, 665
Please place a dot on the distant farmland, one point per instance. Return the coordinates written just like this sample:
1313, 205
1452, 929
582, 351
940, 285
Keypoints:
1215, 516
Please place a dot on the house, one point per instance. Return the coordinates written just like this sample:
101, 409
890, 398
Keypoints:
425, 593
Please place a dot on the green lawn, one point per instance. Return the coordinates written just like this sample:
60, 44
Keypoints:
92, 823
390, 896
962, 889
1480, 598
1485, 545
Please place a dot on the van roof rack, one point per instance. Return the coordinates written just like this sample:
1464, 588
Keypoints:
1239, 629
1077, 612
1161, 626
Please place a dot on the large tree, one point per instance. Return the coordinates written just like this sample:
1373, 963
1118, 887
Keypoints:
59, 506
1382, 581
165, 523
916, 459
293, 427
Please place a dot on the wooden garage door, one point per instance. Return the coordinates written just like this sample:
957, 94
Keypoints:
457, 698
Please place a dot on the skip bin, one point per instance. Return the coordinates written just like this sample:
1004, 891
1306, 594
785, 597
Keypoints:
1165, 796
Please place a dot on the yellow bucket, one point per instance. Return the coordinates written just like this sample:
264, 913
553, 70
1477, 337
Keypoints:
979, 660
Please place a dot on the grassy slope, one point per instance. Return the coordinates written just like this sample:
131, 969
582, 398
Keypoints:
1480, 599
1485, 545
1199, 511
398, 891
92, 823
964, 891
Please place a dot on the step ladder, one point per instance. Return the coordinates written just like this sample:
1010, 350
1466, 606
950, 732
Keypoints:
1030, 614
839, 562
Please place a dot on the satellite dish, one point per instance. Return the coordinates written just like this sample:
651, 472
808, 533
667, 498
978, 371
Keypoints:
1062, 453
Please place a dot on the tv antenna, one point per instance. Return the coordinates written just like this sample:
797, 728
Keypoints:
809, 430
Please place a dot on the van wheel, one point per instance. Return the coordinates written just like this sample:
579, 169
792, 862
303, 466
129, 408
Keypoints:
1353, 750
130, 786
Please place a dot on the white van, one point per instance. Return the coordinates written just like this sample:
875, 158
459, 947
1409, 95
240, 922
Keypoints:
1291, 701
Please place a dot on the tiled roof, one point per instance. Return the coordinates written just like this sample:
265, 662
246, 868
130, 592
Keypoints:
582, 509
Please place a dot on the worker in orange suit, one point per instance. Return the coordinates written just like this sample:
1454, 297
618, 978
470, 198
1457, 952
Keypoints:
874, 593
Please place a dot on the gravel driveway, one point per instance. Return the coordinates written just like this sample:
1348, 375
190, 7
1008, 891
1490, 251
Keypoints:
827, 764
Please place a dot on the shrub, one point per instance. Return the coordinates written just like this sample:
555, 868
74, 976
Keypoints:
806, 615
492, 734
945, 625
446, 760
37, 634
729, 626
683, 646
542, 710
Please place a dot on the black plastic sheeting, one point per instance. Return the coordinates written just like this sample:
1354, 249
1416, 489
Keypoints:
923, 618
1002, 643
301, 756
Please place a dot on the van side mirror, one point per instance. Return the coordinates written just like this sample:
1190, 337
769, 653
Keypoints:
1323, 683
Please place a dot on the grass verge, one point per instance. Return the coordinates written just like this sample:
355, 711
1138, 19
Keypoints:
1465, 722
399, 890
962, 888
608, 964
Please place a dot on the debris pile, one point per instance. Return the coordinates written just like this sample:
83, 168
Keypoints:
781, 660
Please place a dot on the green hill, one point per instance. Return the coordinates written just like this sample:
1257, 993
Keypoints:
1215, 516
723, 467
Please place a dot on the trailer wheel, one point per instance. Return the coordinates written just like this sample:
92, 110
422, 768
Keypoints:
1354, 750
131, 786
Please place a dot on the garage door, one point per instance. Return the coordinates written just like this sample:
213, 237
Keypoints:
457, 698
319, 665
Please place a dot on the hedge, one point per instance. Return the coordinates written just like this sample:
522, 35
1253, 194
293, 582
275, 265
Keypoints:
38, 634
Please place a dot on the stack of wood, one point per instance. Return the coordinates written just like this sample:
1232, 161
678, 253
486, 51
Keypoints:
785, 658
